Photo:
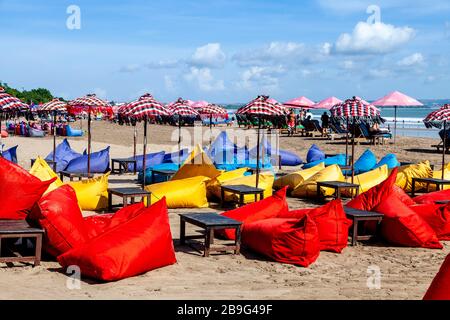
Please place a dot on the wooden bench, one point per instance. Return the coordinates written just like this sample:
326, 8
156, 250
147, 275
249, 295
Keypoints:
358, 216
20, 229
337, 186
167, 174
241, 190
72, 175
428, 181
127, 194
210, 222
122, 165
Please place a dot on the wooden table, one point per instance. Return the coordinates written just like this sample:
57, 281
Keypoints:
428, 181
122, 165
241, 190
21, 229
51, 163
73, 175
337, 186
210, 222
125, 194
165, 173
362, 216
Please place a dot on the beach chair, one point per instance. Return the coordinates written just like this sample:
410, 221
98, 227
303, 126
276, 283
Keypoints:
337, 132
377, 138
440, 145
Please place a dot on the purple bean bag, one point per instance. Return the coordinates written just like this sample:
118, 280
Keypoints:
152, 159
176, 157
314, 154
99, 162
64, 154
10, 154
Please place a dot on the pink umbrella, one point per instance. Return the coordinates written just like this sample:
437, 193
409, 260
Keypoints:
397, 99
199, 104
300, 102
328, 103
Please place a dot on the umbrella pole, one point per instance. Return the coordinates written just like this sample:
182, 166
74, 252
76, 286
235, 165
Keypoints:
210, 129
395, 123
353, 151
1, 139
134, 141
346, 144
179, 141
89, 143
145, 152
54, 137
443, 148
257, 152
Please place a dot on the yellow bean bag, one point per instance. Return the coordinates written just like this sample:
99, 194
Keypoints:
292, 180
183, 193
367, 180
213, 186
42, 170
265, 182
309, 187
197, 164
406, 173
92, 194
438, 175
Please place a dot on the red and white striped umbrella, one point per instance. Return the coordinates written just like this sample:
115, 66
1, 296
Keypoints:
89, 103
355, 108
182, 108
214, 110
437, 117
262, 106
145, 106
54, 105
10, 103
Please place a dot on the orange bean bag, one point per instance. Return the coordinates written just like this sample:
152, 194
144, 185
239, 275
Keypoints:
440, 287
433, 196
292, 241
267, 208
60, 216
19, 190
437, 217
4, 134
140, 244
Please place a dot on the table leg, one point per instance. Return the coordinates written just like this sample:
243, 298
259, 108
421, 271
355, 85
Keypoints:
211, 236
238, 240
241, 200
132, 200
261, 196
337, 193
149, 200
413, 187
318, 191
61, 176
109, 202
355, 232
135, 167
182, 231
222, 198
37, 260
125, 201
207, 242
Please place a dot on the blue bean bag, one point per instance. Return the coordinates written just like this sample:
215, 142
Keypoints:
70, 132
157, 178
366, 162
99, 162
337, 159
390, 160
64, 154
222, 142
289, 158
176, 157
314, 154
152, 159
10, 154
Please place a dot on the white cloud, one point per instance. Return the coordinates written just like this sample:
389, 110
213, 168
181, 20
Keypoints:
101, 93
257, 77
203, 78
168, 83
373, 38
130, 68
347, 64
415, 59
163, 64
209, 56
379, 73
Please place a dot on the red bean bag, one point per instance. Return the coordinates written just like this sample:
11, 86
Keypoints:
433, 196
19, 190
4, 134
332, 224
60, 216
403, 196
371, 198
293, 241
140, 244
437, 217
404, 227
440, 287
270, 207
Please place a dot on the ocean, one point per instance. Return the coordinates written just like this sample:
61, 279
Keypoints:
409, 119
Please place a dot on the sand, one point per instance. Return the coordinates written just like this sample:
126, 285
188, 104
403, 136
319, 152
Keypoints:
405, 272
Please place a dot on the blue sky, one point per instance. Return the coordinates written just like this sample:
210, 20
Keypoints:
227, 51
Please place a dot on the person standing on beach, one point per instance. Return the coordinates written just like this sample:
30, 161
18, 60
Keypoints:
325, 123
291, 119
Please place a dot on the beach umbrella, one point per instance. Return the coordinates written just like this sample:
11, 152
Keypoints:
199, 104
397, 99
354, 109
440, 119
9, 104
261, 107
90, 103
327, 103
54, 106
142, 109
299, 103
213, 110
181, 108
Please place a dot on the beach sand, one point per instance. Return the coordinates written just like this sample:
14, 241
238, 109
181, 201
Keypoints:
405, 272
